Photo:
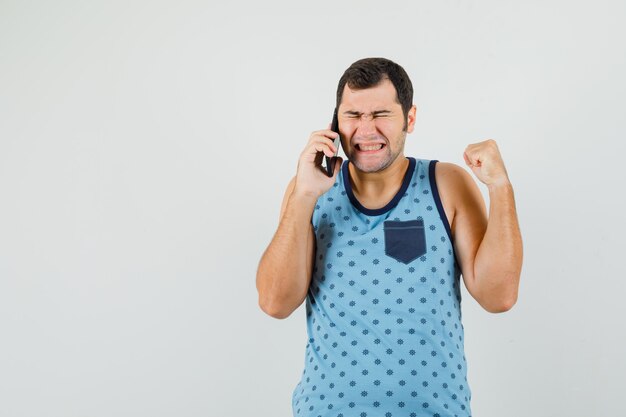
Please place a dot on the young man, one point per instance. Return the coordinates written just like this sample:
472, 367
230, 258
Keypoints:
377, 252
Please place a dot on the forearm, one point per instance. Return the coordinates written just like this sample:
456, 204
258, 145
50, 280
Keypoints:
498, 262
283, 276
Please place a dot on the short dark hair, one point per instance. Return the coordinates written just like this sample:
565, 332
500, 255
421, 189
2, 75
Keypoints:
368, 72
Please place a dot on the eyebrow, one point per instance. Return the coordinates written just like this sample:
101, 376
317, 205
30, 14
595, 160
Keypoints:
375, 113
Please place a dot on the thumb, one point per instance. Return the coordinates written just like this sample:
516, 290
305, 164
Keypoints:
467, 160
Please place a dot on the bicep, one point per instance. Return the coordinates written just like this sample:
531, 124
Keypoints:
469, 225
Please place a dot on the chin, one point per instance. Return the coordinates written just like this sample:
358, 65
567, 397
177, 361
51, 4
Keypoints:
372, 166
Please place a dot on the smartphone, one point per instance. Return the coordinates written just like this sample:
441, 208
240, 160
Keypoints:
330, 161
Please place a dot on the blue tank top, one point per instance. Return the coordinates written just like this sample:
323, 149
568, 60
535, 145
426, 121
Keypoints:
383, 310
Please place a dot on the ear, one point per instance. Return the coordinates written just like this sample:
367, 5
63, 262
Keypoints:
411, 119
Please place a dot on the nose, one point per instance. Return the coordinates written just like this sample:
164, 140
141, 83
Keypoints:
366, 125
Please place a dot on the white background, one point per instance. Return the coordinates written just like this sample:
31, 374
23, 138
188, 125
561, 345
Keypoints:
144, 151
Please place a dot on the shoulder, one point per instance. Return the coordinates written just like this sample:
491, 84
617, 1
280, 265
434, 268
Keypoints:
452, 178
457, 189
448, 168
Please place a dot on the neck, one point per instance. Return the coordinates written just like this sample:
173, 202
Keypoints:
371, 186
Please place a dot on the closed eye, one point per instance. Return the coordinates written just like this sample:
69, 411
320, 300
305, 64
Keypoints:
379, 114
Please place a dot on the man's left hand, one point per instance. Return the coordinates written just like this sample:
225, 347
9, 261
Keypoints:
485, 161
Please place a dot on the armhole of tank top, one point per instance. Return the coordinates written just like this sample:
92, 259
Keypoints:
315, 217
437, 198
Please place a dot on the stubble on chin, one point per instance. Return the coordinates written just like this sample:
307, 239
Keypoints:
371, 168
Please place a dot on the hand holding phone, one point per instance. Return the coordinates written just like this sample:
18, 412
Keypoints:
330, 161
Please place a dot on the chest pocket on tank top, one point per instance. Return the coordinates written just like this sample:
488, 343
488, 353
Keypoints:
405, 241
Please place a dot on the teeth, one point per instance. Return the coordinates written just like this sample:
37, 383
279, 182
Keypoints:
371, 147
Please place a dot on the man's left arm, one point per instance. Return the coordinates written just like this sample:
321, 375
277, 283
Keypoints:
490, 254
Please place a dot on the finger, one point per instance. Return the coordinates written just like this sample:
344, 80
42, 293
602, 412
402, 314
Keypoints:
326, 133
321, 147
474, 156
324, 140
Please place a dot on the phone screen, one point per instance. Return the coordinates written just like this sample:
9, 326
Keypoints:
330, 161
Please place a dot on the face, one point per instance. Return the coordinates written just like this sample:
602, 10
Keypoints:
371, 124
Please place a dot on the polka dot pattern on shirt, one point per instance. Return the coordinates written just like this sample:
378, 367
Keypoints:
383, 311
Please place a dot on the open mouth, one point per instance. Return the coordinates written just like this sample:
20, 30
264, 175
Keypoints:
369, 148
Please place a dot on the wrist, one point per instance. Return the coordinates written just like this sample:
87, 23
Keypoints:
503, 185
304, 195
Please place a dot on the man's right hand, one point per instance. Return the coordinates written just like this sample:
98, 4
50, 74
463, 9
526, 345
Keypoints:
311, 180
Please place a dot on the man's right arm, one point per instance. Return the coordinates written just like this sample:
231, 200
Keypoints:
284, 272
